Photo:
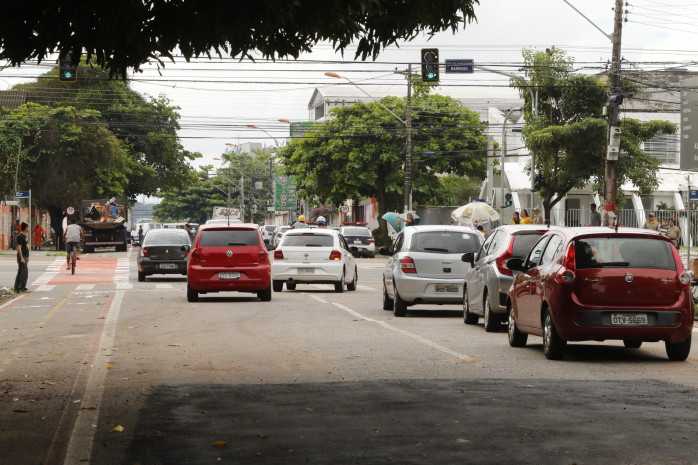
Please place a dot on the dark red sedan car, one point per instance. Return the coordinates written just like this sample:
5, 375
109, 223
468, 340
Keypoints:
596, 283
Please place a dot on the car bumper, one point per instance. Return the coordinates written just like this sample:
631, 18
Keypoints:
321, 273
415, 290
205, 279
155, 267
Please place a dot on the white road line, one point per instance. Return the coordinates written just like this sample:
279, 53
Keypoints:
414, 336
46, 287
50, 273
164, 286
123, 286
82, 435
84, 287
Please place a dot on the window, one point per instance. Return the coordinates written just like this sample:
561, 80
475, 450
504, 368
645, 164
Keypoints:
169, 237
444, 242
551, 250
397, 245
488, 245
228, 237
624, 252
356, 232
534, 258
308, 240
523, 243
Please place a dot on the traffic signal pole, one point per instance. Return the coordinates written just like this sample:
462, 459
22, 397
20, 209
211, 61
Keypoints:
408, 144
611, 163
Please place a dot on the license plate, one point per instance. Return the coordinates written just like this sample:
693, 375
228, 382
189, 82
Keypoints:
358, 241
229, 275
446, 289
168, 266
306, 270
629, 319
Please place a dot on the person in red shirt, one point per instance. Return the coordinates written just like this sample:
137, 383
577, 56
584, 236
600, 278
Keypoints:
38, 237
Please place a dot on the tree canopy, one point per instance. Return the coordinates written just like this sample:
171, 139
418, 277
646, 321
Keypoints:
359, 152
124, 34
567, 136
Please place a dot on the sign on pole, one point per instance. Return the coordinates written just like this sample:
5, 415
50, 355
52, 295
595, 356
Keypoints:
460, 66
285, 193
693, 195
22, 194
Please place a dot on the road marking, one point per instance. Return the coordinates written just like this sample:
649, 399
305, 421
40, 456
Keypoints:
45, 288
164, 286
414, 336
84, 287
124, 286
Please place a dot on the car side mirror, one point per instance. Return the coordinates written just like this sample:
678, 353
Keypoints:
186, 248
516, 264
385, 251
468, 257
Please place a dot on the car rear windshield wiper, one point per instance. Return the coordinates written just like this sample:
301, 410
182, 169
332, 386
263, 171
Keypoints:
434, 249
237, 243
313, 245
602, 264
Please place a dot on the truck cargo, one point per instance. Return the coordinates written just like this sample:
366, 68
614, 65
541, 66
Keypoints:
103, 221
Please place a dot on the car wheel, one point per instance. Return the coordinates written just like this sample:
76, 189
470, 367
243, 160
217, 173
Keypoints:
265, 295
553, 344
632, 344
371, 255
192, 295
678, 351
277, 285
492, 322
468, 317
291, 286
339, 285
352, 285
141, 276
387, 301
516, 337
399, 305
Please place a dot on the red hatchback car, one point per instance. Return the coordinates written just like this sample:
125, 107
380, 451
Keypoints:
581, 284
228, 258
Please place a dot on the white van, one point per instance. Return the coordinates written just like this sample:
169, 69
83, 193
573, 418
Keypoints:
146, 227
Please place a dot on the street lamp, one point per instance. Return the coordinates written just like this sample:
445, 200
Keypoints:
407, 122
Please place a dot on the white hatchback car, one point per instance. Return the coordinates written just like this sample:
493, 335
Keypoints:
313, 256
425, 266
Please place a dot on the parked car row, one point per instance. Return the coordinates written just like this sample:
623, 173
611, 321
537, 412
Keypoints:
563, 284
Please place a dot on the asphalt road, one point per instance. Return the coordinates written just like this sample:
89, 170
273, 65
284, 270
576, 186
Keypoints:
98, 368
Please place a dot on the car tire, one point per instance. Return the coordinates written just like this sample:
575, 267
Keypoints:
553, 345
399, 305
387, 301
192, 295
352, 285
492, 322
469, 318
291, 286
632, 344
141, 277
678, 351
371, 255
339, 285
265, 295
516, 337
277, 285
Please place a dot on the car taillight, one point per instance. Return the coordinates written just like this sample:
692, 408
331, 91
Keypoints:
684, 279
370, 241
566, 274
335, 255
502, 259
407, 265
195, 254
145, 252
278, 254
263, 256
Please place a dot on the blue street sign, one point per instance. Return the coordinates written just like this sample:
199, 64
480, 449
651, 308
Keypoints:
693, 195
459, 66
22, 194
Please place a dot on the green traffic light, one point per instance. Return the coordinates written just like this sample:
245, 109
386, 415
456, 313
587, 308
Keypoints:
68, 74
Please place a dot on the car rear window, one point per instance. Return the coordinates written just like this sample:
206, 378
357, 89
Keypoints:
356, 232
270, 227
167, 237
228, 237
308, 240
444, 242
523, 243
624, 252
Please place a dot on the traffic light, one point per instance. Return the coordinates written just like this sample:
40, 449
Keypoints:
507, 199
537, 182
67, 72
430, 64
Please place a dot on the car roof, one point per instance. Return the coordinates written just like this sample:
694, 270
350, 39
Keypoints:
327, 232
605, 230
513, 228
232, 225
440, 227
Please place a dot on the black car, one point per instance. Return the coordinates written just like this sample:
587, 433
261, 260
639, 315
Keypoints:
164, 251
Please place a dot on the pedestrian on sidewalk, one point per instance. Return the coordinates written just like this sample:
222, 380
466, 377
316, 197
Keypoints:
38, 238
674, 233
22, 242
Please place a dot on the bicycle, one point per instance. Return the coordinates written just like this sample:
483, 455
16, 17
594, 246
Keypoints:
72, 261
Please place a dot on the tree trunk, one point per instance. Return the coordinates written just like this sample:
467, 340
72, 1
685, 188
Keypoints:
57, 225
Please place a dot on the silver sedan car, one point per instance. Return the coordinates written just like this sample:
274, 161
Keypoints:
425, 266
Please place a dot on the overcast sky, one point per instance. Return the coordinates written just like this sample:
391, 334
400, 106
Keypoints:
218, 98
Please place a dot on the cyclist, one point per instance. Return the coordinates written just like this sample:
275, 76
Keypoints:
300, 224
321, 222
73, 236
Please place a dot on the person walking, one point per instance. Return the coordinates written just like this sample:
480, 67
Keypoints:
37, 236
651, 223
594, 216
674, 233
537, 218
22, 259
515, 219
525, 219
140, 235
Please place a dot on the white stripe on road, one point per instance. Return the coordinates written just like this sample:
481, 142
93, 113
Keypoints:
84, 287
46, 287
414, 336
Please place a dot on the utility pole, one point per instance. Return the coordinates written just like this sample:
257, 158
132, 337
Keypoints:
408, 142
616, 98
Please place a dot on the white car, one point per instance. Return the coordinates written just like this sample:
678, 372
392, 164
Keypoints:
313, 256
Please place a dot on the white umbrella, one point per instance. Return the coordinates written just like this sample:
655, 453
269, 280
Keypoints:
475, 212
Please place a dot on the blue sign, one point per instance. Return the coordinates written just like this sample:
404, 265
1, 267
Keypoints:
460, 66
693, 194
22, 194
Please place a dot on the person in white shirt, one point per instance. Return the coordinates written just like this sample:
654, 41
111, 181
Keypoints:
73, 236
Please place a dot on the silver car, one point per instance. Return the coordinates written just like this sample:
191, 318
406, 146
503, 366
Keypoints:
425, 266
487, 284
